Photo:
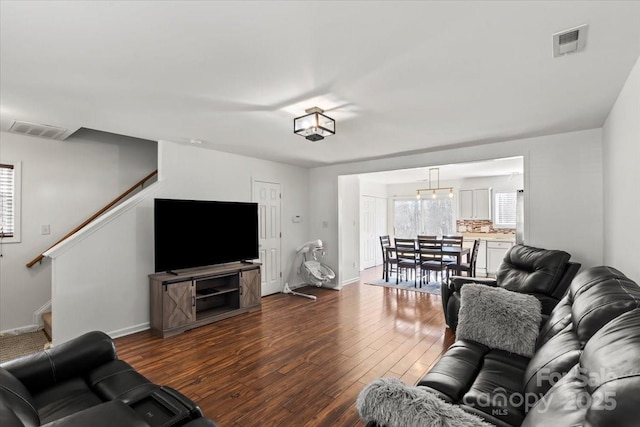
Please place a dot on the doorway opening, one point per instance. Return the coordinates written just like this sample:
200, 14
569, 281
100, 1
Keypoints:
480, 205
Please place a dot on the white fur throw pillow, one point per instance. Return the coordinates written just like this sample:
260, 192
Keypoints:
499, 319
390, 403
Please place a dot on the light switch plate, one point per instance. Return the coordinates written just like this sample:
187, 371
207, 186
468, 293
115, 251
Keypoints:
45, 229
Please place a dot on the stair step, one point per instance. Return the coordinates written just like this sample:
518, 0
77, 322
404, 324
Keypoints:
48, 324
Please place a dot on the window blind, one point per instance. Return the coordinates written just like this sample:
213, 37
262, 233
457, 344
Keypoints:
7, 200
505, 208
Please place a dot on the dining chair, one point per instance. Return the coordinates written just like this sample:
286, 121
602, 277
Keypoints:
407, 258
452, 240
431, 258
467, 267
389, 259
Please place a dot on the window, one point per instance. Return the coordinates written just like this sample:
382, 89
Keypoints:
505, 209
425, 216
9, 202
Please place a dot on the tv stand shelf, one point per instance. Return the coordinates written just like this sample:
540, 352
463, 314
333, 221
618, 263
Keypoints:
196, 297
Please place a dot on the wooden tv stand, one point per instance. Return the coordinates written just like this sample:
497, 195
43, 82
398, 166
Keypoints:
196, 297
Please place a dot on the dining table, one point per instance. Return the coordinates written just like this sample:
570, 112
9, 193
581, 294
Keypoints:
452, 251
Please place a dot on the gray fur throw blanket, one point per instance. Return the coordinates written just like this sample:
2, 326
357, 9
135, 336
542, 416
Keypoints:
499, 319
391, 403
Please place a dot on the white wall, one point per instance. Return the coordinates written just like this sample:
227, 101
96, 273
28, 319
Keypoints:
63, 184
349, 207
562, 182
621, 146
373, 189
100, 279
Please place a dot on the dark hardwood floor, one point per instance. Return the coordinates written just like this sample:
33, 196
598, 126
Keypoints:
298, 362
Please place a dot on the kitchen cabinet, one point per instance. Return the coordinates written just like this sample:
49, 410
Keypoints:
495, 255
475, 204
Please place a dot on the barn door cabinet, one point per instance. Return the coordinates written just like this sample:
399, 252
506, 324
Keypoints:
197, 297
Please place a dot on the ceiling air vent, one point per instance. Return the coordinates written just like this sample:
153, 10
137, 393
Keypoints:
570, 41
35, 129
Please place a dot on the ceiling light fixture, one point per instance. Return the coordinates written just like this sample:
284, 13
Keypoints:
314, 126
433, 172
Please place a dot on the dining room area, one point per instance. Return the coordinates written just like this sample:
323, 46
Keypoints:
426, 224
426, 258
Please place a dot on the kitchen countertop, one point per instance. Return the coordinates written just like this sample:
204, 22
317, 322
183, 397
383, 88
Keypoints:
490, 236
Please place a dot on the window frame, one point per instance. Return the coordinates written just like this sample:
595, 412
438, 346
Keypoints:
17, 202
496, 210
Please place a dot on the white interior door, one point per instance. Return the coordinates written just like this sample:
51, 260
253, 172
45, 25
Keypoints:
267, 195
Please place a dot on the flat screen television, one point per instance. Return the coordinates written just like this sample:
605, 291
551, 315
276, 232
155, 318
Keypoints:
198, 233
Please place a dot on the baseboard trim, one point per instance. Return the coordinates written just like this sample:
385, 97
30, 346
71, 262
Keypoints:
37, 315
349, 281
21, 330
130, 330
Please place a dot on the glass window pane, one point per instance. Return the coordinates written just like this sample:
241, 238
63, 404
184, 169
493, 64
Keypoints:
425, 216
437, 216
405, 218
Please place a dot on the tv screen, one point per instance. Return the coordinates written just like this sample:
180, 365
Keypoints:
196, 233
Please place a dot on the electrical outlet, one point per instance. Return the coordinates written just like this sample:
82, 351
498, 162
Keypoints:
45, 229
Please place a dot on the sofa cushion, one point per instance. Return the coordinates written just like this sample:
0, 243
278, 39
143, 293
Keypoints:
498, 380
456, 370
64, 361
532, 270
600, 294
391, 403
481, 380
499, 319
602, 389
552, 361
65, 398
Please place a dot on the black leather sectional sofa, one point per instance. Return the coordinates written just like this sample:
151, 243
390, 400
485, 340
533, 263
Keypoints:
543, 273
585, 370
82, 383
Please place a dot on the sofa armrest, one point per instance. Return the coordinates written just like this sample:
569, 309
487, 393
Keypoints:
71, 359
108, 414
456, 282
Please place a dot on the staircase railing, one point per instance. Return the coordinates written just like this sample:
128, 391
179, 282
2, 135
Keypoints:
94, 216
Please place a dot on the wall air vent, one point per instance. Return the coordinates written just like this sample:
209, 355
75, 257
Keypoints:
570, 41
35, 129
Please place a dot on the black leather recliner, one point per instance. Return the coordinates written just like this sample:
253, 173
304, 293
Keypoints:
543, 273
83, 383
